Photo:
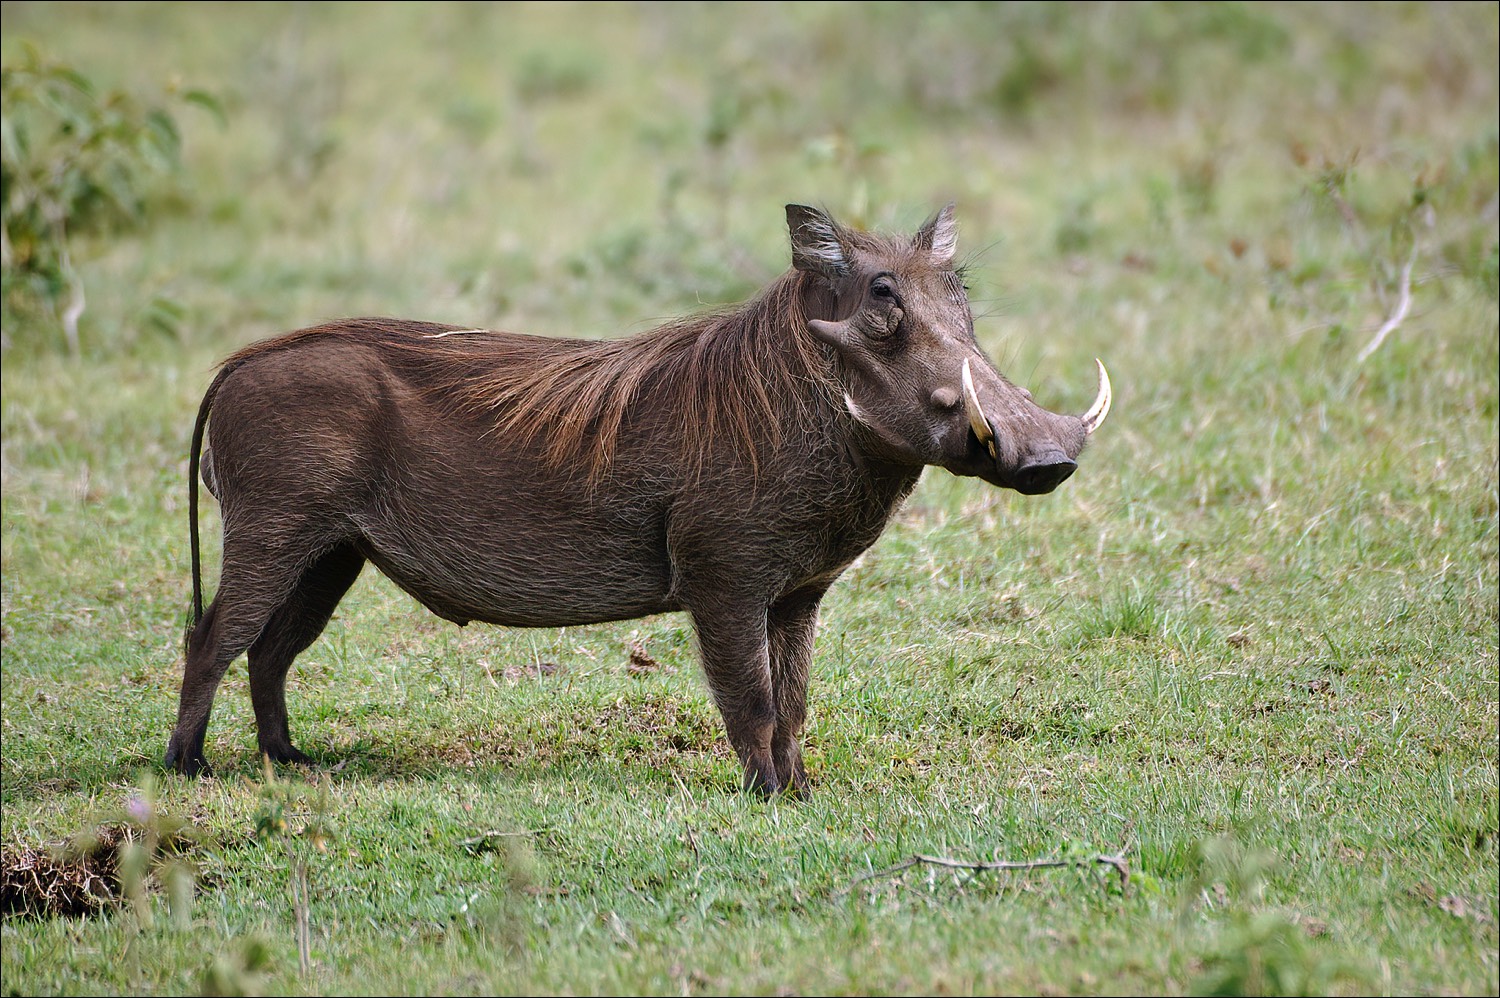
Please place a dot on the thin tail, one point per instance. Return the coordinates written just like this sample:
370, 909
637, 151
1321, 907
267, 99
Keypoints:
194, 451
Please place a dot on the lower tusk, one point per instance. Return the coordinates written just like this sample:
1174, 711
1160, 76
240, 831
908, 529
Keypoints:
1095, 416
975, 412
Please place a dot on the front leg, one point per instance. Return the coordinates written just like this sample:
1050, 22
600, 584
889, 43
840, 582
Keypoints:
737, 662
791, 626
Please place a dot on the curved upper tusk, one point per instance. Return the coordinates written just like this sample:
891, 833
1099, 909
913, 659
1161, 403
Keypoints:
1100, 408
975, 411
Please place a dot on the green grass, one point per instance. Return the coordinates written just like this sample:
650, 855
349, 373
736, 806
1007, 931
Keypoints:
1252, 644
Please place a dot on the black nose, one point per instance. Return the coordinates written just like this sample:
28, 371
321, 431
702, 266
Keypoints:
1043, 474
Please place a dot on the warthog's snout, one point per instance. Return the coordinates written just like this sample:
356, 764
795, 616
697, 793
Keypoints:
1025, 458
1045, 473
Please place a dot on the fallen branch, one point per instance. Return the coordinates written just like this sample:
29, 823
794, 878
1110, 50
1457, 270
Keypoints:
1403, 305
488, 674
490, 841
1117, 863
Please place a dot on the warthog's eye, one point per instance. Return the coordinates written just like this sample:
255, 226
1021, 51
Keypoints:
883, 288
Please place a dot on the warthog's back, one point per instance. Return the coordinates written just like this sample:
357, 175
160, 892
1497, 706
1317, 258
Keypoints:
366, 436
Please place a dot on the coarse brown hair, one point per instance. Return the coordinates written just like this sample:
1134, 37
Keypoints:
742, 377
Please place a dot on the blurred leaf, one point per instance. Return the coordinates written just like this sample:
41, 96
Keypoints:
209, 103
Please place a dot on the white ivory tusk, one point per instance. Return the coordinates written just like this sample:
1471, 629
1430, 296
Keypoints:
975, 411
1100, 408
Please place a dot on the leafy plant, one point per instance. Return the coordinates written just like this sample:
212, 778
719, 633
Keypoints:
283, 806
1259, 950
238, 972
76, 161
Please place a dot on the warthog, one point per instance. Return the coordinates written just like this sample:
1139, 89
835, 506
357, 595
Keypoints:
731, 465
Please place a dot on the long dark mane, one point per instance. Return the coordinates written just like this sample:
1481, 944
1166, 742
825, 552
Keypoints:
741, 378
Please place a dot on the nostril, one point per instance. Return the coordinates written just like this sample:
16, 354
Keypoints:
1042, 475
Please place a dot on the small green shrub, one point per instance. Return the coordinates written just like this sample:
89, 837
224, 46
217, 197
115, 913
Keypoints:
75, 162
1259, 949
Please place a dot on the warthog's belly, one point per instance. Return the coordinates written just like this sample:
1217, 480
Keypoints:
526, 571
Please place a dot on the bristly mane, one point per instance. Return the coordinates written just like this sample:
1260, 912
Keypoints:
742, 379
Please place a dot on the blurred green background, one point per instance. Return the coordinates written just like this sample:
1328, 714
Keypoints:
1252, 644
565, 168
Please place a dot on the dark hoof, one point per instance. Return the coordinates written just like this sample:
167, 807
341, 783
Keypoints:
762, 785
792, 773
190, 767
287, 754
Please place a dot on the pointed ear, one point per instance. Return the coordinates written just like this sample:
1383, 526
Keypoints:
939, 237
816, 243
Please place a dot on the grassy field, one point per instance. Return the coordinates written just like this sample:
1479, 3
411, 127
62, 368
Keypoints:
1251, 647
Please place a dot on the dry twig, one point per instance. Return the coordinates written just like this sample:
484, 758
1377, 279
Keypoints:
490, 841
300, 902
1403, 305
1117, 863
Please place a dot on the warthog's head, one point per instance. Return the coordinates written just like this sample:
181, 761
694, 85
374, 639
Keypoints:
898, 318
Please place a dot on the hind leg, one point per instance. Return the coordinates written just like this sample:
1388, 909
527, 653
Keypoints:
295, 625
256, 580
201, 673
